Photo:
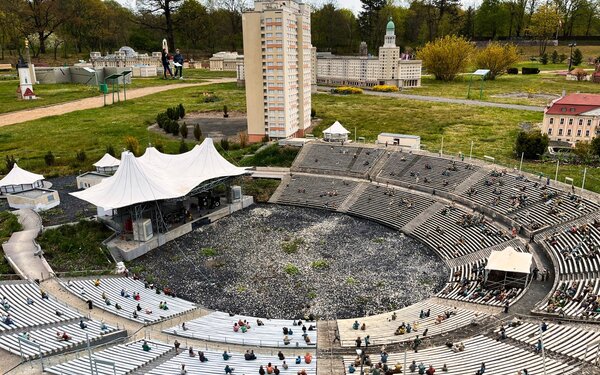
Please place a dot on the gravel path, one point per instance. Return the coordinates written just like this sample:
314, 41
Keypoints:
94, 102
367, 268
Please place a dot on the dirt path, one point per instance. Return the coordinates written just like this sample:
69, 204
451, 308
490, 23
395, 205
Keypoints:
94, 102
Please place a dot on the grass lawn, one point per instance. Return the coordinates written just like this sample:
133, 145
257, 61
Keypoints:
49, 94
272, 156
76, 247
506, 84
261, 189
9, 223
92, 130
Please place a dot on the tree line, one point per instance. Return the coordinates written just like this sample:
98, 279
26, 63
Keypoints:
203, 27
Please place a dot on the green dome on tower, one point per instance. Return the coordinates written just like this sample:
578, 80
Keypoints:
390, 25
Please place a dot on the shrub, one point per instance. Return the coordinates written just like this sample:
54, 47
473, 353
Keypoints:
159, 146
162, 119
291, 270
132, 145
49, 158
320, 264
497, 58
197, 132
544, 58
10, 162
172, 113
512, 70
110, 150
243, 136
81, 156
446, 57
174, 127
577, 57
183, 130
313, 113
225, 114
208, 252
595, 145
347, 90
562, 57
225, 144
181, 110
183, 147
9, 223
529, 70
554, 57
291, 247
532, 144
385, 88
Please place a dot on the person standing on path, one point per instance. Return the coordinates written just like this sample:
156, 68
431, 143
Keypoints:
178, 59
164, 58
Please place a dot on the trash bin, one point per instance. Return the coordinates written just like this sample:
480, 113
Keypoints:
103, 88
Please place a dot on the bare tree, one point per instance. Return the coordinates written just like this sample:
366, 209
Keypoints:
150, 9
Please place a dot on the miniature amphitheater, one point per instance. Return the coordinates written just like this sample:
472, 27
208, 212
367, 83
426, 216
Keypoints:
382, 219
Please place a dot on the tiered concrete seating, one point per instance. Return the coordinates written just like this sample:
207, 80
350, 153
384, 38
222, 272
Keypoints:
575, 298
499, 358
576, 245
566, 340
126, 357
389, 206
381, 327
47, 338
444, 233
316, 192
352, 160
43, 311
216, 365
218, 326
112, 286
432, 172
465, 282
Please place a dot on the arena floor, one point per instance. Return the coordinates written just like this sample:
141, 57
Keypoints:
240, 264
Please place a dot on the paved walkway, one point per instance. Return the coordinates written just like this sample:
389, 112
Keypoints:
20, 248
94, 102
439, 99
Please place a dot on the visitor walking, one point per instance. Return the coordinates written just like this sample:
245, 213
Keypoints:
164, 58
178, 60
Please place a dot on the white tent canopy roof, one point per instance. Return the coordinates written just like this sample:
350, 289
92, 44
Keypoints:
107, 161
156, 176
336, 129
509, 260
18, 176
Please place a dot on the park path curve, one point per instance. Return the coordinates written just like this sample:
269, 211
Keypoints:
93, 102
439, 99
21, 247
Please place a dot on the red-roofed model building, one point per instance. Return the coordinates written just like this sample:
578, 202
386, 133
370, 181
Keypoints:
573, 118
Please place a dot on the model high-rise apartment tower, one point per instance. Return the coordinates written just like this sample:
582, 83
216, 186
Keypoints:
277, 65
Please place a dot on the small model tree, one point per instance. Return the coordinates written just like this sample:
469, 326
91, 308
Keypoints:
577, 57
225, 114
183, 130
544, 59
197, 132
446, 57
183, 147
554, 57
497, 58
531, 144
49, 158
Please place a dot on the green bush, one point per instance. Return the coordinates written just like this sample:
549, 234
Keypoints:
162, 119
183, 130
81, 156
49, 158
208, 251
9, 223
577, 57
173, 127
544, 59
197, 132
291, 270
291, 247
225, 144
110, 150
320, 264
183, 147
181, 110
554, 57
225, 112
10, 162
531, 144
132, 145
172, 113
272, 156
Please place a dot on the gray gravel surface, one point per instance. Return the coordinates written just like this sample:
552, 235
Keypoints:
367, 268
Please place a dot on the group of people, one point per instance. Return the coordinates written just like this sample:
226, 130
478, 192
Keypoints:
177, 59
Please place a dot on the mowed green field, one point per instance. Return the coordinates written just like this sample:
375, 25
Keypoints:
49, 94
492, 130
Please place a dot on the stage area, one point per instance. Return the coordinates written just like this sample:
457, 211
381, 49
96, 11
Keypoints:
281, 262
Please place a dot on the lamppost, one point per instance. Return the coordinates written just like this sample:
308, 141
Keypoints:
571, 55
